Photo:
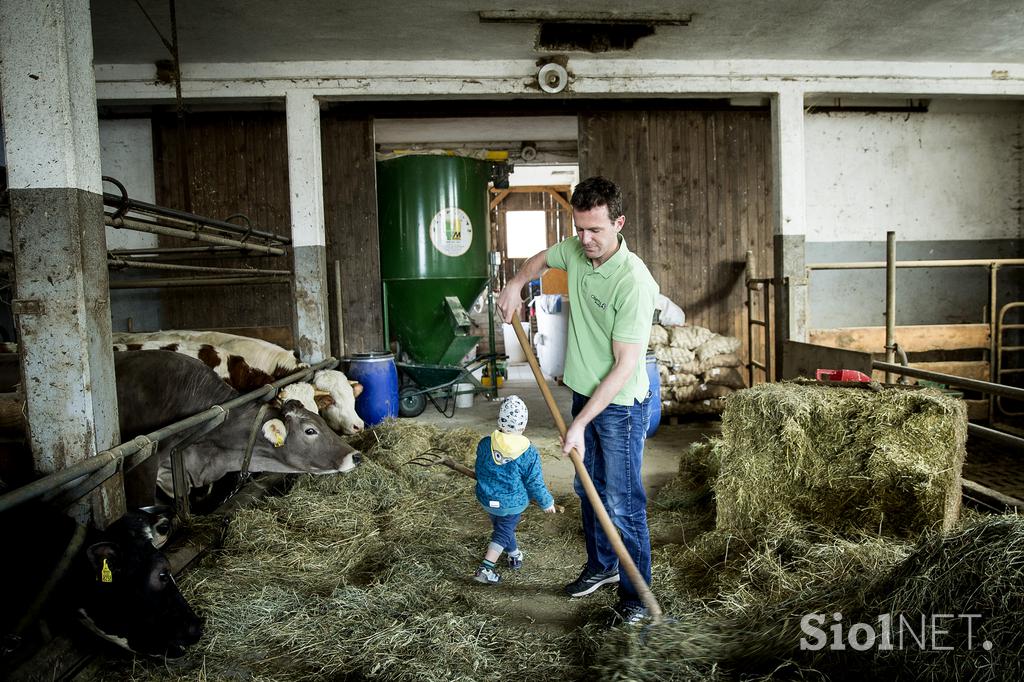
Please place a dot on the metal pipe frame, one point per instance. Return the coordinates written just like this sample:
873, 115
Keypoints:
123, 204
758, 284
193, 235
952, 380
148, 265
998, 370
193, 282
39, 487
995, 436
878, 264
218, 251
890, 301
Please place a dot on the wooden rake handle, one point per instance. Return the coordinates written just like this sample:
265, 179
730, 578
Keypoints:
625, 561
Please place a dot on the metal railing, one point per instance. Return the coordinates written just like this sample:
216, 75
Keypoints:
891, 264
988, 387
110, 459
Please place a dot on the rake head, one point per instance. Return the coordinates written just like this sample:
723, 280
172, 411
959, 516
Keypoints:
429, 458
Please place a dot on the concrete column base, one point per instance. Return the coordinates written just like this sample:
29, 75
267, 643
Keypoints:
312, 340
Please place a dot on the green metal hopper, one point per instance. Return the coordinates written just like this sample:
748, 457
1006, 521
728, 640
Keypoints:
432, 213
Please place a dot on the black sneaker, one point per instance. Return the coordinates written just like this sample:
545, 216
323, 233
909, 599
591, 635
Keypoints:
590, 580
631, 613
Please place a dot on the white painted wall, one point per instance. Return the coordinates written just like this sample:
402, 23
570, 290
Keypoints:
954, 172
126, 153
563, 174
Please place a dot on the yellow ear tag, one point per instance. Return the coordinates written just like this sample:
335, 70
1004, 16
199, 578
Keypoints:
106, 575
278, 440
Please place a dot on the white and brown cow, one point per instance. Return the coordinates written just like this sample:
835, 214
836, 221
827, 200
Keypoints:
156, 387
246, 363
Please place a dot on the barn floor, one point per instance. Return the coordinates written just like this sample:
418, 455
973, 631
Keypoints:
532, 600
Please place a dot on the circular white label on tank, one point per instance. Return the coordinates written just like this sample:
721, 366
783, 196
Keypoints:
451, 231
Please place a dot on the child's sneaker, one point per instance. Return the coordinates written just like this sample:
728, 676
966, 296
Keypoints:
515, 559
487, 576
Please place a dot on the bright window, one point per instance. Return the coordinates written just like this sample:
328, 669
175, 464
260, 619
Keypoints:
526, 233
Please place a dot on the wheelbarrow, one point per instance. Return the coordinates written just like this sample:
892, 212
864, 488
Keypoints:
438, 384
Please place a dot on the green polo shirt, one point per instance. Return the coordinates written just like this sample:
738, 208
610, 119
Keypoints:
612, 302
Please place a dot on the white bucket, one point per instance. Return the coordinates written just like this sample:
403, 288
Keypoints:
464, 400
513, 350
552, 333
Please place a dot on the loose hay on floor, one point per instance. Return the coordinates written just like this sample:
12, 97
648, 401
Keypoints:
847, 459
368, 576
977, 571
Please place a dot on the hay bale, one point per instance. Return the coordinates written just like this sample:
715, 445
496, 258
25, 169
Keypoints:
845, 459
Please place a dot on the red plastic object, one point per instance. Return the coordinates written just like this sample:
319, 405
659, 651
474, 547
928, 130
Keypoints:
841, 375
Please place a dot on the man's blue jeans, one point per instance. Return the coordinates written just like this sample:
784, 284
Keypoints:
614, 441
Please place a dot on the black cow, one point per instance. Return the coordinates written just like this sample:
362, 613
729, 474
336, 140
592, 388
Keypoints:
157, 387
117, 584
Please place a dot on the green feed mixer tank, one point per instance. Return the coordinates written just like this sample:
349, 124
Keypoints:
432, 213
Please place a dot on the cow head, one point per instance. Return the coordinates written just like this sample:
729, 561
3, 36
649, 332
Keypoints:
299, 441
130, 597
153, 523
341, 416
304, 392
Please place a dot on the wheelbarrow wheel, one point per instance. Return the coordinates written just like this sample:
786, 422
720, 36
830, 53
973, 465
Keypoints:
411, 402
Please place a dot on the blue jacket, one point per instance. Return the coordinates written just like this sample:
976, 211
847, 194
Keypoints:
506, 489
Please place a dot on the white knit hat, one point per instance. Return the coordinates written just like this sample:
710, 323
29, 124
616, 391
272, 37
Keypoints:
512, 415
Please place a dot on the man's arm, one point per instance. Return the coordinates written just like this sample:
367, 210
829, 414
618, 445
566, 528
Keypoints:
509, 300
627, 355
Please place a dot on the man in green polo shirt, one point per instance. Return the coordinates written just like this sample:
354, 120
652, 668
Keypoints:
611, 294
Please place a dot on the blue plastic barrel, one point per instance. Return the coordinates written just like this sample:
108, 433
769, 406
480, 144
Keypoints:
654, 407
379, 377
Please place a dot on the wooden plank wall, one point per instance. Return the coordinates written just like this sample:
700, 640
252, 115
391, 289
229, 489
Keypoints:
350, 217
237, 163
697, 192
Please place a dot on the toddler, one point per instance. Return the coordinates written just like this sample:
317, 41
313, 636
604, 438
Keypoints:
508, 476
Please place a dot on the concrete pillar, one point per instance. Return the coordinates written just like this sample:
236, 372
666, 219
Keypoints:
789, 198
306, 196
61, 294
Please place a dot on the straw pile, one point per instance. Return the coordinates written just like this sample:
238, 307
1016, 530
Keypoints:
368, 576
739, 591
947, 606
698, 369
845, 459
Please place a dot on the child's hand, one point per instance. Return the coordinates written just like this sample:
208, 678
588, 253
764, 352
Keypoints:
549, 510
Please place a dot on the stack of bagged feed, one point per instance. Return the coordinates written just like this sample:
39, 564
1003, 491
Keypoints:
833, 501
698, 368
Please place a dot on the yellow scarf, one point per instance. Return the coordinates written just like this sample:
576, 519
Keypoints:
506, 447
